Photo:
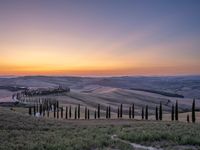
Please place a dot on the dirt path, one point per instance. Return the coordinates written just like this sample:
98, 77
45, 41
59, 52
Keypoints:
134, 145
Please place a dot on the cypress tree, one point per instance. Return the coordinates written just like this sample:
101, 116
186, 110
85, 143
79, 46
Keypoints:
57, 113
79, 111
30, 111
160, 112
109, 112
61, 112
66, 113
133, 111
176, 111
70, 112
48, 105
54, 110
172, 115
85, 112
146, 113
98, 111
88, 114
40, 110
156, 113
106, 112
142, 113
118, 113
37, 108
75, 113
95, 114
193, 111
34, 110
121, 111
129, 112
48, 113
188, 118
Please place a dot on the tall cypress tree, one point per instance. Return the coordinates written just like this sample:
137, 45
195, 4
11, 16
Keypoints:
146, 113
30, 111
88, 114
133, 111
193, 111
85, 113
142, 113
95, 114
129, 112
57, 113
160, 112
98, 111
121, 111
118, 113
75, 113
54, 110
37, 108
106, 112
48, 113
109, 112
40, 109
79, 111
172, 115
43, 110
176, 111
156, 113
66, 113
34, 110
70, 112
61, 109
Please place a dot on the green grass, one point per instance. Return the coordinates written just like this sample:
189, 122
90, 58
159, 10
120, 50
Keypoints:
176, 133
22, 132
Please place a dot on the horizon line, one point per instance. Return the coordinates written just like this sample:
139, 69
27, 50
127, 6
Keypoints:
100, 76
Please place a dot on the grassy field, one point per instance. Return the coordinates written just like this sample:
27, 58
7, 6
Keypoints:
21, 132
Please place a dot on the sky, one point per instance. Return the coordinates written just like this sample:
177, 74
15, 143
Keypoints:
99, 37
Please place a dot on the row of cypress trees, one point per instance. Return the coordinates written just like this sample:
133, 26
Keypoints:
47, 107
145, 114
159, 112
174, 112
44, 106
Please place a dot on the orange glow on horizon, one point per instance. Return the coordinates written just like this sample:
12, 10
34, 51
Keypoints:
34, 70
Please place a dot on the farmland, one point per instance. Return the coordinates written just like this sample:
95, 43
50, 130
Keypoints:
19, 130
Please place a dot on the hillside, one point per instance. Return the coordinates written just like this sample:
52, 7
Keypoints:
188, 86
20, 131
113, 91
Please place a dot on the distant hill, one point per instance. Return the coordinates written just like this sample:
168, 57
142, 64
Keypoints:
187, 86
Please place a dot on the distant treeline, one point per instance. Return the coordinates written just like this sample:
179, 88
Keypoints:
47, 91
159, 92
12, 88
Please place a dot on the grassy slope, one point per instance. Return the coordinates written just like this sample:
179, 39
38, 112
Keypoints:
19, 131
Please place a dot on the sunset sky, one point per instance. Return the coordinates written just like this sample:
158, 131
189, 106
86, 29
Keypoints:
99, 37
